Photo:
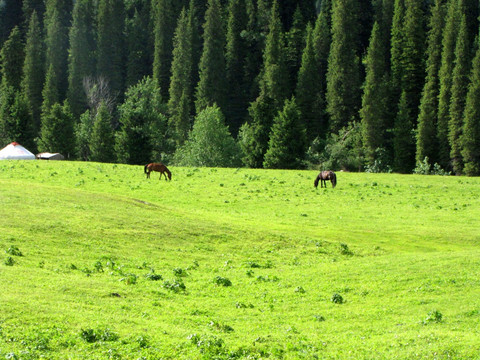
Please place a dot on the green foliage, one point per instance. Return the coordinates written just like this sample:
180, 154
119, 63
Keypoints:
11, 58
142, 135
342, 151
286, 146
337, 299
425, 168
209, 142
57, 131
102, 139
14, 250
211, 85
176, 286
90, 335
433, 316
343, 81
221, 281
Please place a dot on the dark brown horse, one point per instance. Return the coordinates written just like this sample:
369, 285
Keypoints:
324, 176
162, 169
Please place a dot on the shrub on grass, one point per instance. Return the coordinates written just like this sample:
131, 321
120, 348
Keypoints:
433, 316
152, 276
337, 299
221, 281
129, 279
92, 335
176, 285
9, 261
14, 251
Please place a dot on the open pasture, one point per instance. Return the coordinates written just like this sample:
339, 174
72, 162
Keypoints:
97, 262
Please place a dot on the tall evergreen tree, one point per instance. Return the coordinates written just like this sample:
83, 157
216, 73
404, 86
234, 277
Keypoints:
49, 93
286, 147
139, 43
274, 82
375, 104
397, 46
81, 62
34, 70
111, 44
31, 6
427, 119
102, 141
211, 87
403, 141
308, 94
164, 26
11, 56
57, 134
470, 140
180, 83
461, 71
343, 83
294, 45
445, 77
142, 124
57, 23
15, 117
235, 54
321, 42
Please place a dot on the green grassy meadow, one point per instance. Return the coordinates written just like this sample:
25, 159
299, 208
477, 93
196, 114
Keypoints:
97, 262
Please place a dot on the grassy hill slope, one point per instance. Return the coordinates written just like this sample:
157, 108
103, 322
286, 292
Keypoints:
96, 262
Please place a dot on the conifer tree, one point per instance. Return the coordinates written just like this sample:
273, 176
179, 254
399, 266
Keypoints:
11, 55
164, 26
403, 141
141, 112
102, 140
180, 83
211, 87
31, 6
397, 46
57, 133
286, 147
235, 55
470, 138
274, 82
427, 119
445, 77
57, 23
308, 95
15, 118
81, 60
111, 45
461, 71
34, 70
343, 82
294, 45
321, 42
139, 43
254, 134
50, 92
374, 109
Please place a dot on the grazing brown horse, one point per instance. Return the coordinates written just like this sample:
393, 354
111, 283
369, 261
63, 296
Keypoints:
162, 169
324, 176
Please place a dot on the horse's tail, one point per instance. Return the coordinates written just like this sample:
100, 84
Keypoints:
316, 181
145, 169
334, 180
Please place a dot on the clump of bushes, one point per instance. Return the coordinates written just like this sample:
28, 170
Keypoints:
176, 285
337, 299
433, 316
92, 335
221, 281
14, 251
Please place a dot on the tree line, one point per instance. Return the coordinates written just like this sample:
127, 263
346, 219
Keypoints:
360, 85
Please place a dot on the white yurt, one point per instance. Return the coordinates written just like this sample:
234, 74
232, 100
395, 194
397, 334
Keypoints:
15, 151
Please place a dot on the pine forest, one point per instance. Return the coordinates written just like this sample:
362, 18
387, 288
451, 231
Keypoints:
354, 85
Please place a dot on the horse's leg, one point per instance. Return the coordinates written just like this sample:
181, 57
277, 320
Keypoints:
148, 174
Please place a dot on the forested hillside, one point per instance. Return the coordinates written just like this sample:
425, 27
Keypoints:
374, 85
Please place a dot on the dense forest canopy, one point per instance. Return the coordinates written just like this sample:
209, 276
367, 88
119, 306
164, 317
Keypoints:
360, 85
